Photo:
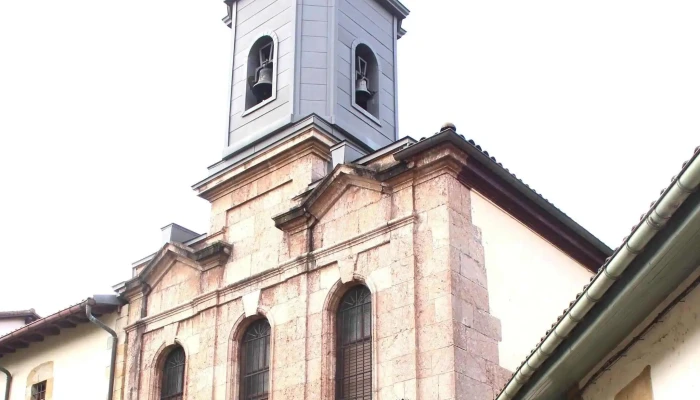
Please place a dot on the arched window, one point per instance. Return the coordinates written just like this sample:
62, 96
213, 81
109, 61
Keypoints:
261, 72
354, 354
173, 380
255, 361
366, 82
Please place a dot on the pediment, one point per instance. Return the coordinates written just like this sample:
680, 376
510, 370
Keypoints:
173, 253
163, 261
327, 193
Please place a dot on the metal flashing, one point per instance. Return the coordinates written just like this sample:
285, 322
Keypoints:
396, 8
143, 260
275, 136
196, 239
177, 233
236, 157
392, 148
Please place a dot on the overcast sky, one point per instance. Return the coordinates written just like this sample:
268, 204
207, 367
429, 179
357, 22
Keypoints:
110, 111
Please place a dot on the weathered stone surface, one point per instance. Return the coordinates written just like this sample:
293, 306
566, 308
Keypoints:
410, 241
487, 324
467, 388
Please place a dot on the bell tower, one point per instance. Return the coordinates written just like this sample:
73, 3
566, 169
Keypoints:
334, 60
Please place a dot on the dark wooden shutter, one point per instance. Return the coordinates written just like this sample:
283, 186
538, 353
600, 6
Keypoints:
354, 355
255, 361
173, 375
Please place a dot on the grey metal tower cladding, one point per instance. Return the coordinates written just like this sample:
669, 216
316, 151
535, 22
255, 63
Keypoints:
335, 59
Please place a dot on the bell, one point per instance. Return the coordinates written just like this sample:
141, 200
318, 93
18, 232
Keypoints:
262, 88
362, 93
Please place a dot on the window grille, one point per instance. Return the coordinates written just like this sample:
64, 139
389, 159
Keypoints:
255, 361
39, 391
354, 355
173, 375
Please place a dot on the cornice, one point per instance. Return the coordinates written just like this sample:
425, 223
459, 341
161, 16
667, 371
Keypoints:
299, 265
396, 8
291, 135
479, 172
255, 169
214, 255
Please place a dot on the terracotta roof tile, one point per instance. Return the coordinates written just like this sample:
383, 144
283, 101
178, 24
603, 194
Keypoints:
19, 314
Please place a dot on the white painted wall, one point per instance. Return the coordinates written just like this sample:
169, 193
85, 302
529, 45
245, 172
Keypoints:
81, 357
10, 324
530, 281
671, 348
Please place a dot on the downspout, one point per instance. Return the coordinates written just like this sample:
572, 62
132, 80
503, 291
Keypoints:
113, 360
8, 382
687, 182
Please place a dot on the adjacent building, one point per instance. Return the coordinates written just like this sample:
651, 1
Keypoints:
67, 355
11, 320
633, 333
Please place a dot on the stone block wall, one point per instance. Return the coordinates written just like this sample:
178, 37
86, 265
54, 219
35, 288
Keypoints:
408, 238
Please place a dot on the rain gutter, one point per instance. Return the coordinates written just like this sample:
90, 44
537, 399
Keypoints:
8, 382
672, 198
72, 310
105, 300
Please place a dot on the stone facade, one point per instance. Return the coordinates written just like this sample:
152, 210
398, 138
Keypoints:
296, 236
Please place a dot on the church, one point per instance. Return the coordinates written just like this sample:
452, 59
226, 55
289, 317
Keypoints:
345, 261
342, 262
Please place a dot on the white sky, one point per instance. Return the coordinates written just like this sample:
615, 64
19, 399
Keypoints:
110, 111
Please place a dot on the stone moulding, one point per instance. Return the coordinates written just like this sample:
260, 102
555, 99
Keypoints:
481, 173
213, 255
364, 237
310, 141
319, 200
294, 220
304, 263
236, 337
154, 366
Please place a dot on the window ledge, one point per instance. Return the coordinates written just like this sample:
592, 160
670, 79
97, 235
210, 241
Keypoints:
260, 105
365, 112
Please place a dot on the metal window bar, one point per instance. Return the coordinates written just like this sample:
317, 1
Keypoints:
354, 356
255, 362
39, 391
173, 375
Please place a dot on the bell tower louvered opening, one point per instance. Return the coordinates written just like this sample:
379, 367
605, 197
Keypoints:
366, 80
261, 67
332, 64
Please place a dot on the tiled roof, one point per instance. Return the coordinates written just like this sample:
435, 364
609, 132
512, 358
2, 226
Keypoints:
492, 163
600, 270
68, 317
19, 314
493, 159
38, 320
